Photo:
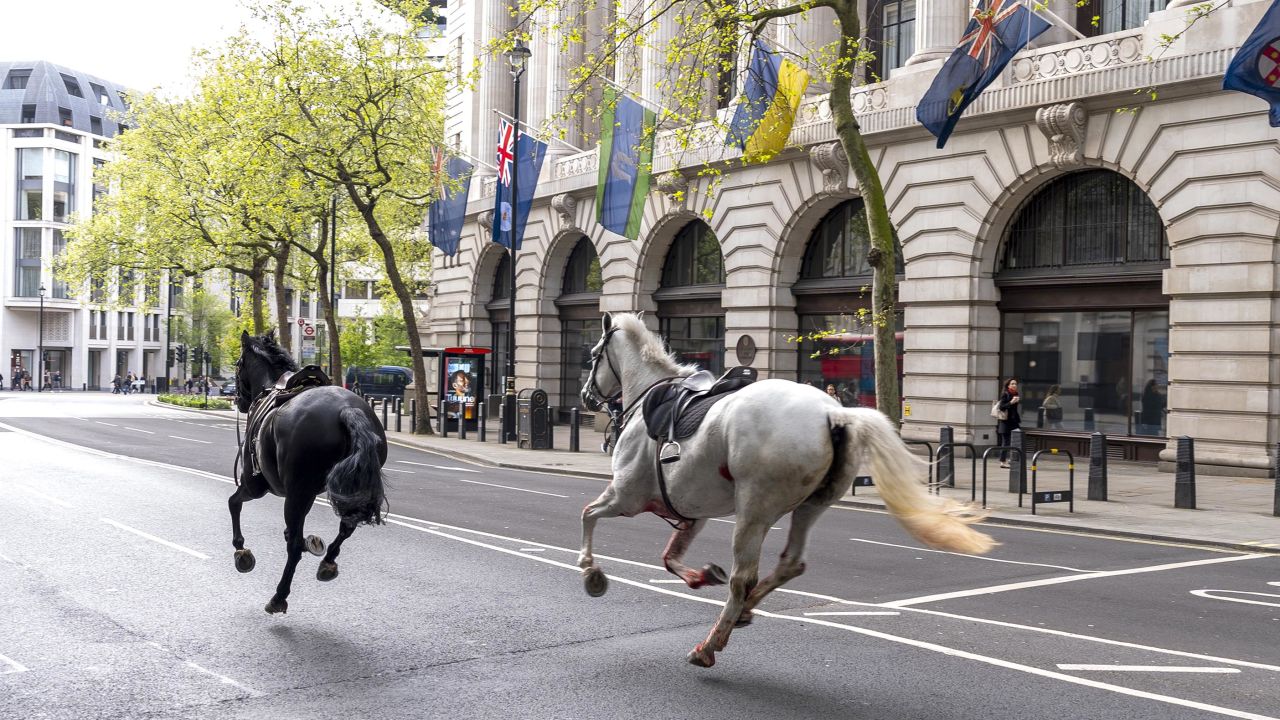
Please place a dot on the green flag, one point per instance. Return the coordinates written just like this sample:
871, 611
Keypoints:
626, 162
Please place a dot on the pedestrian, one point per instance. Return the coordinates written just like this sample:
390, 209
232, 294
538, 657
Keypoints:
1052, 406
1151, 418
1006, 411
831, 392
57, 379
26, 379
142, 383
189, 383
115, 385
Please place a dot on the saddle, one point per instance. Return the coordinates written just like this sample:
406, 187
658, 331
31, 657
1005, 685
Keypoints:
675, 410
288, 386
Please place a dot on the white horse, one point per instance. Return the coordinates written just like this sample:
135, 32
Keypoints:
772, 448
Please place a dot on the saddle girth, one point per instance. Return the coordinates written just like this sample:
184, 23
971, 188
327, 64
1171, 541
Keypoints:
289, 386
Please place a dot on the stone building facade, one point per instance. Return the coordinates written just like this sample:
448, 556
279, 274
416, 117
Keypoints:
1075, 232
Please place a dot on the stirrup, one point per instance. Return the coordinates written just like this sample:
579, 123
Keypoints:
669, 453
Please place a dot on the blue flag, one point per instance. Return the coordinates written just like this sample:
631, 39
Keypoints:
444, 218
1256, 68
995, 33
758, 91
626, 158
525, 158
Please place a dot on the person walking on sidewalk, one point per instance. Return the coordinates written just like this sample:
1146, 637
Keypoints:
1012, 420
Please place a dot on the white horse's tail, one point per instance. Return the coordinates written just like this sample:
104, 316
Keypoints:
933, 520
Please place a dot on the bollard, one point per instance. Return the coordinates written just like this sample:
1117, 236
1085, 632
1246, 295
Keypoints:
384, 414
462, 420
947, 466
1017, 463
502, 423
1088, 419
444, 421
413, 416
1184, 483
1098, 467
399, 413
573, 429
1275, 506
481, 416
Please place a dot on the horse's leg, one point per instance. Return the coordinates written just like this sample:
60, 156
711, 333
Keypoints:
748, 536
593, 578
328, 568
296, 508
676, 547
251, 488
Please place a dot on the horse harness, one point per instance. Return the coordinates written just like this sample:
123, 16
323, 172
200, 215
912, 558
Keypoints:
287, 387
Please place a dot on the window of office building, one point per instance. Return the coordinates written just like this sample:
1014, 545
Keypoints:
72, 85
1114, 15
17, 79
30, 177
690, 312
60, 288
893, 27
100, 94
27, 262
64, 185
579, 310
28, 113
64, 117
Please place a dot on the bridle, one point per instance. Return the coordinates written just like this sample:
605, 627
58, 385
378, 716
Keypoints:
594, 395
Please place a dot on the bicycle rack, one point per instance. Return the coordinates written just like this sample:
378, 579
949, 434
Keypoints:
1053, 496
928, 446
986, 456
973, 464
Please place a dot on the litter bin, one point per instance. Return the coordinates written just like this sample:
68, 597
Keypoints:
533, 427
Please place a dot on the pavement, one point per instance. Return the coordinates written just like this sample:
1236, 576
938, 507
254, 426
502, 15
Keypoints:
1231, 512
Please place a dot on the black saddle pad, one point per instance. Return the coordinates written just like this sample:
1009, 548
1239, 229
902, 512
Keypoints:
672, 410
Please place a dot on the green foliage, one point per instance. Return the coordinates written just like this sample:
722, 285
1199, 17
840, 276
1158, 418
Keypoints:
195, 401
373, 342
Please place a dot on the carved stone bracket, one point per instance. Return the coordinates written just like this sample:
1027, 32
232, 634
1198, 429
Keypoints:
675, 186
1064, 125
566, 206
486, 221
834, 164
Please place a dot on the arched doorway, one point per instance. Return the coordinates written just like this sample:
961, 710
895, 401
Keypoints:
833, 305
1083, 314
499, 307
690, 311
579, 309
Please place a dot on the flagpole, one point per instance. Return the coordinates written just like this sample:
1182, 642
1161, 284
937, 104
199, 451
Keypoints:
1034, 7
661, 110
535, 137
475, 159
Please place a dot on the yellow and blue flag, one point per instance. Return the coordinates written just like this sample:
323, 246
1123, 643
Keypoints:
1256, 67
997, 30
447, 210
771, 96
523, 154
626, 161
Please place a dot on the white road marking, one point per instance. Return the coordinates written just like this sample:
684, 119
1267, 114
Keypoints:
153, 538
667, 581
923, 645
438, 467
971, 557
861, 612
1275, 599
224, 679
106, 423
179, 437
532, 550
1070, 578
1276, 584
406, 472
734, 522
508, 487
14, 665
39, 494
126, 427
1149, 668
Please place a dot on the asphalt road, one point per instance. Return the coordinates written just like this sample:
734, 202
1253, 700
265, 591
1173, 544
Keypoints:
121, 600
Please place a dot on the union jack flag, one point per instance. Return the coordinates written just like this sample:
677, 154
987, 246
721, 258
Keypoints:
978, 42
506, 150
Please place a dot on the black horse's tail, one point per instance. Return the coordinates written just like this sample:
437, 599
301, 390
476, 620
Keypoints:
355, 483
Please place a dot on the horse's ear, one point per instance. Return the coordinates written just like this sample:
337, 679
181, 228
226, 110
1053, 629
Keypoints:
244, 338
606, 322
271, 335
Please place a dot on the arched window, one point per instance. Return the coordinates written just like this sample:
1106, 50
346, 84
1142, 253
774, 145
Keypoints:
582, 272
694, 258
838, 246
499, 308
579, 308
502, 279
1091, 218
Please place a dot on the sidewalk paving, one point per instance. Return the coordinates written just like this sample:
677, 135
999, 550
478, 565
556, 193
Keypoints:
1231, 512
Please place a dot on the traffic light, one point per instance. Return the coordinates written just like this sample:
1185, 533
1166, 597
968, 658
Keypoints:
169, 358
182, 353
208, 359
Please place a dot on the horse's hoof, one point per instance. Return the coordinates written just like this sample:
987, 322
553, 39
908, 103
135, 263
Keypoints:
594, 581
701, 657
713, 574
744, 619
245, 561
327, 571
277, 606
315, 545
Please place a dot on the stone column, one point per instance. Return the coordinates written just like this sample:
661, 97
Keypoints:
658, 75
562, 59
939, 25
805, 35
496, 85
1065, 9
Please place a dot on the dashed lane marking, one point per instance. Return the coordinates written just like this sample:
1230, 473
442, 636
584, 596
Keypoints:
854, 612
39, 494
438, 467
1229, 596
179, 437
149, 432
106, 423
972, 557
13, 665
735, 522
406, 472
1148, 668
153, 538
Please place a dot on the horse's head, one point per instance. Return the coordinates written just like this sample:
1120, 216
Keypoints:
605, 381
262, 360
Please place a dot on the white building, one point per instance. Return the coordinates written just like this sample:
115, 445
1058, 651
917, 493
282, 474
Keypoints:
54, 122
1074, 232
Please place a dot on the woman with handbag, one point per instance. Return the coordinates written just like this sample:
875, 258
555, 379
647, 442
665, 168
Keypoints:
1053, 407
1006, 411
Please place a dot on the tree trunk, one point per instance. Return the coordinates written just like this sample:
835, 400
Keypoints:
422, 422
327, 309
255, 294
282, 307
881, 255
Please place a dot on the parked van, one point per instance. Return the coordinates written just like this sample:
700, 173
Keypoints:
387, 381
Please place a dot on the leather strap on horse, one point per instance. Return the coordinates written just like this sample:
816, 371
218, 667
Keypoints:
662, 487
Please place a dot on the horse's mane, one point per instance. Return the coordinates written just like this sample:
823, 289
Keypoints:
649, 344
266, 347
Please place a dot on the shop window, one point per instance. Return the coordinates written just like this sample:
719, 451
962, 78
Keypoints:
694, 258
839, 350
582, 272
696, 340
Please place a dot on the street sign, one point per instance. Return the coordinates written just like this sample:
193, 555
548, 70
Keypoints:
302, 321
309, 330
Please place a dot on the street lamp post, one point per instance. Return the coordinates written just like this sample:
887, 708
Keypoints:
40, 358
518, 58
168, 338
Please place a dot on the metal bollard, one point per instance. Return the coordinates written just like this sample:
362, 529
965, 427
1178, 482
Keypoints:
1098, 467
1089, 419
502, 423
413, 415
1275, 507
1017, 463
481, 415
399, 413
946, 463
440, 416
573, 430
384, 414
1184, 483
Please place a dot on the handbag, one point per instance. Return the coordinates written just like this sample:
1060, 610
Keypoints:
997, 413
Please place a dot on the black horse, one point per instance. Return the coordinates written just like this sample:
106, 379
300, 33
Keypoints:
298, 445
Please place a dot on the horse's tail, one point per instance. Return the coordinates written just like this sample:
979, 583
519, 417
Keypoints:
355, 483
933, 520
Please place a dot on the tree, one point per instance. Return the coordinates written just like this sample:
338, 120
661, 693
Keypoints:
703, 56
